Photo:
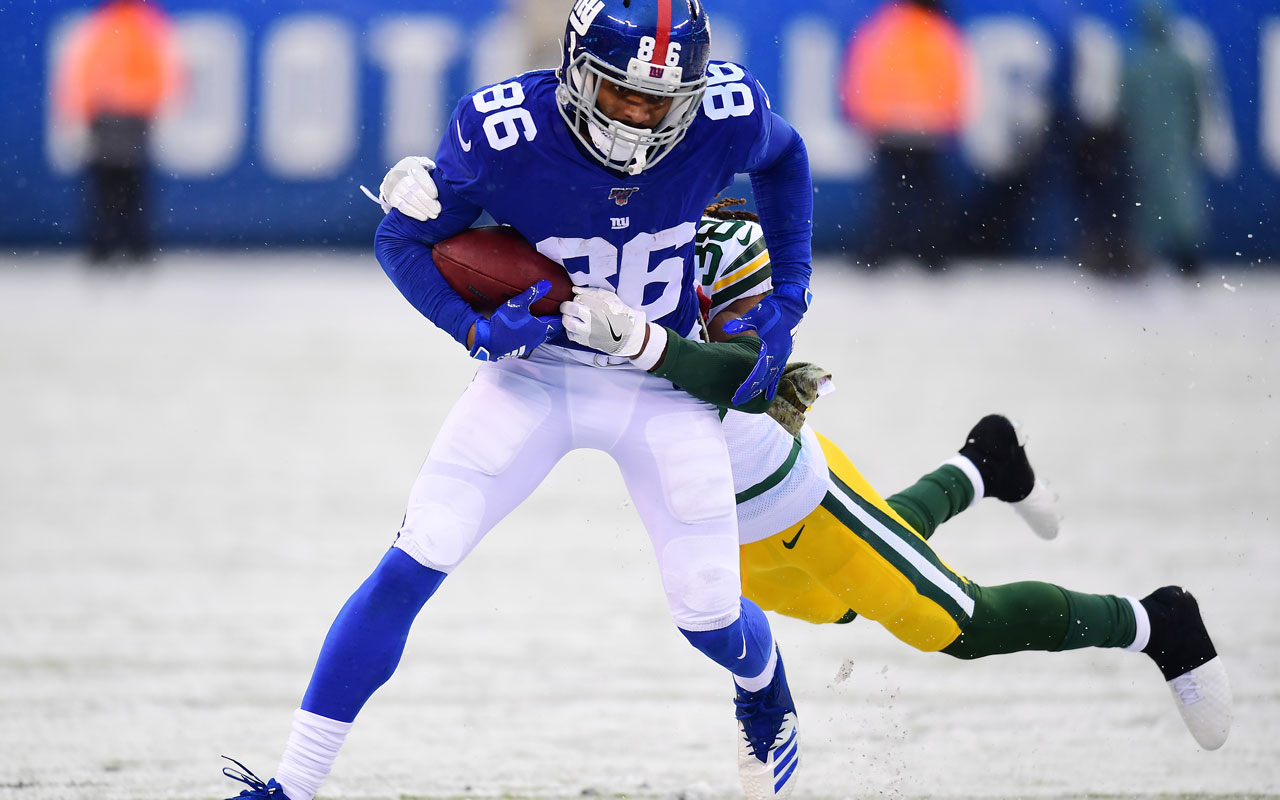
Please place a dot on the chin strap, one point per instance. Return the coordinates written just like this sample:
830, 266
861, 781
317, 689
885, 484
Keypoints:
606, 145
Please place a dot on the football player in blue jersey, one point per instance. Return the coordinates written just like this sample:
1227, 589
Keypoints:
605, 165
864, 555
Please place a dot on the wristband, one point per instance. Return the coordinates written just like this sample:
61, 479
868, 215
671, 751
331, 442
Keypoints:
651, 353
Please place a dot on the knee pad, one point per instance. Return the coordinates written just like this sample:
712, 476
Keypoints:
700, 576
443, 522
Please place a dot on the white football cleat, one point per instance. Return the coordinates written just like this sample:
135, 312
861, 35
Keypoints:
1180, 645
996, 447
1203, 697
1040, 511
773, 777
768, 739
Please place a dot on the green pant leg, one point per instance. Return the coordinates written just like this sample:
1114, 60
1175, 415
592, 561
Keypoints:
1041, 616
1014, 617
934, 499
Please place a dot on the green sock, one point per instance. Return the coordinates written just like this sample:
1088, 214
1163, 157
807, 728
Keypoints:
1041, 616
934, 499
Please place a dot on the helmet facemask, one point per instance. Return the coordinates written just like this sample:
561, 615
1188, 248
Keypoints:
615, 144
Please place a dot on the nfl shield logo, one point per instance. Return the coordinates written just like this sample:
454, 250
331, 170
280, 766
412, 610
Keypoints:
622, 195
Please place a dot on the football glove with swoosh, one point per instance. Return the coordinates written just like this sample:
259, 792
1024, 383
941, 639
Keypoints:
597, 318
774, 319
512, 331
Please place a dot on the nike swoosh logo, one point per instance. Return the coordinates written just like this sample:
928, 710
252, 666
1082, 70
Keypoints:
791, 544
745, 238
466, 146
744, 646
616, 336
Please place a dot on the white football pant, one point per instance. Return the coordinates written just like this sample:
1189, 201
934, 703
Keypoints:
518, 417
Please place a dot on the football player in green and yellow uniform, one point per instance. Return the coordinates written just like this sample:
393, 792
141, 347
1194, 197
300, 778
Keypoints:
818, 543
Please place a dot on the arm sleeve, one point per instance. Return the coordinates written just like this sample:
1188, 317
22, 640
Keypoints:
783, 192
712, 371
403, 248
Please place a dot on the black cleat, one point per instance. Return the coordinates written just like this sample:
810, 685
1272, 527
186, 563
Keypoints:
993, 447
1180, 645
997, 449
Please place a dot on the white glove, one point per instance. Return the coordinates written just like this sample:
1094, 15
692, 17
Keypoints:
598, 319
408, 188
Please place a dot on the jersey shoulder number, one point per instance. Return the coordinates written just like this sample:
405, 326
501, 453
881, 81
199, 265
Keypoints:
732, 261
486, 126
732, 92
735, 116
494, 117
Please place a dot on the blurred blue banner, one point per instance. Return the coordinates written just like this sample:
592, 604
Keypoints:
290, 105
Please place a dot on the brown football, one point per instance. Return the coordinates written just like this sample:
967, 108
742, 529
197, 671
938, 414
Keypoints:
490, 265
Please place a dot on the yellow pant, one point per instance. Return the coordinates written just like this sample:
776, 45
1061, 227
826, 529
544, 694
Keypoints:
853, 552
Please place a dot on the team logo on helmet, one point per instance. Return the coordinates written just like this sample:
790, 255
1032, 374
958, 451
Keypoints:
584, 11
658, 48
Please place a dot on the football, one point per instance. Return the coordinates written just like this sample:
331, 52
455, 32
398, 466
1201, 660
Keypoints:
490, 265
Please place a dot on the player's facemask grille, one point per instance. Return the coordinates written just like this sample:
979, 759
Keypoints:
616, 144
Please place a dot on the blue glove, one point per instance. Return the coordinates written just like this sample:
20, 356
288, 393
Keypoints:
512, 330
774, 319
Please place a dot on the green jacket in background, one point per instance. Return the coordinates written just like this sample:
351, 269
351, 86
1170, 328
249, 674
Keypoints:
1160, 113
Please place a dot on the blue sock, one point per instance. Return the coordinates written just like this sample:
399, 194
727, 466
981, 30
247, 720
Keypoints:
742, 647
366, 640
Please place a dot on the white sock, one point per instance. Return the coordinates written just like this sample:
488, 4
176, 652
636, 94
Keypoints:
1143, 636
313, 746
970, 471
764, 678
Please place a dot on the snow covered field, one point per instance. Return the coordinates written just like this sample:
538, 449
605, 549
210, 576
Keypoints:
198, 464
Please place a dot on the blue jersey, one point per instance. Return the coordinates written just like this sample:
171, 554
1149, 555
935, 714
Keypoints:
509, 152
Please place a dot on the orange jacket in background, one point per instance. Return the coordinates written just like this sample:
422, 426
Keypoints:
906, 72
121, 61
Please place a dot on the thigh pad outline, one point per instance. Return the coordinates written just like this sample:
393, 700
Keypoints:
693, 465
491, 422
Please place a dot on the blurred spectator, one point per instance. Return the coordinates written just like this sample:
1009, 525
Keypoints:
1099, 162
1103, 213
1160, 113
119, 69
906, 83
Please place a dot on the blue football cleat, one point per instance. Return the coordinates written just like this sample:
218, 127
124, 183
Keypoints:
256, 788
768, 739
